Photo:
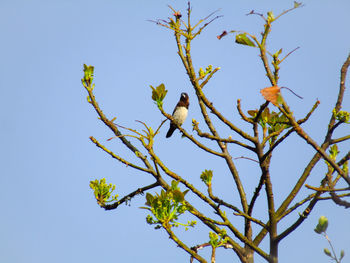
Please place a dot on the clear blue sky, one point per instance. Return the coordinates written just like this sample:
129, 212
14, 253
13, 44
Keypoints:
48, 211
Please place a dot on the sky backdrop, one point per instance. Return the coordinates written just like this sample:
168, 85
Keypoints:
49, 214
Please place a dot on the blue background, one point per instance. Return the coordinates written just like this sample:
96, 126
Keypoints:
49, 213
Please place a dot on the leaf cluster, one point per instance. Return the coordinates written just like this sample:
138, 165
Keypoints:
158, 94
342, 116
217, 240
206, 177
166, 207
207, 71
103, 192
272, 121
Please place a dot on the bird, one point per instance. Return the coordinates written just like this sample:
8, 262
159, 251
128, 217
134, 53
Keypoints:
179, 113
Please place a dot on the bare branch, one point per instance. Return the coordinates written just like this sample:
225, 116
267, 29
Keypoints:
311, 142
341, 139
289, 54
113, 155
114, 128
212, 137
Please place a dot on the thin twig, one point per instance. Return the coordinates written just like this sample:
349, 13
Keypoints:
118, 157
247, 158
288, 54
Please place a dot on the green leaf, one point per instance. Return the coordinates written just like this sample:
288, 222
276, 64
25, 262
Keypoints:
333, 151
213, 239
253, 113
243, 39
174, 184
206, 176
270, 16
149, 199
178, 196
296, 4
279, 98
266, 114
209, 69
342, 116
327, 252
277, 53
322, 225
342, 254
201, 73
158, 94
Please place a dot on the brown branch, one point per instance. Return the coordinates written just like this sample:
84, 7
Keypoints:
286, 111
203, 103
315, 197
225, 120
329, 197
338, 201
183, 181
314, 107
283, 137
220, 201
256, 194
301, 218
338, 104
208, 78
301, 181
326, 189
247, 158
341, 139
114, 128
212, 137
308, 198
196, 248
262, 48
131, 195
182, 245
288, 10
113, 155
288, 54
344, 159
190, 137
213, 205
211, 224
256, 221
244, 117
298, 204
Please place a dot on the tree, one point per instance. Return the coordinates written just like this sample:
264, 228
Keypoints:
269, 130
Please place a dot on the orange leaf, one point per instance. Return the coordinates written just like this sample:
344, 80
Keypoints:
271, 94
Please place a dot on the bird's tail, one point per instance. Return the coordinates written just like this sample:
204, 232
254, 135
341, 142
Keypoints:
170, 131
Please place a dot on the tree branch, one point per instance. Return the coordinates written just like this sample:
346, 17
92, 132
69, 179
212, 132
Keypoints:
114, 128
183, 245
113, 155
131, 195
212, 137
190, 137
311, 142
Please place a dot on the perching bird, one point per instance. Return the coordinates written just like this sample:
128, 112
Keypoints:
179, 113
